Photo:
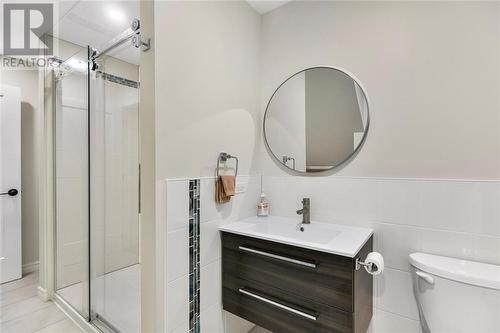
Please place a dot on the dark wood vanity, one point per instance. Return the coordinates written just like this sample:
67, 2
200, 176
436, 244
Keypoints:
289, 289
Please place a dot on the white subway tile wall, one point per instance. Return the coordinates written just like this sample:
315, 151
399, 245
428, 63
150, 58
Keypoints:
178, 303
213, 318
407, 216
177, 259
444, 217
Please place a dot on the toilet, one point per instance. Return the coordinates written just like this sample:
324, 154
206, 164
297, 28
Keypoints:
455, 295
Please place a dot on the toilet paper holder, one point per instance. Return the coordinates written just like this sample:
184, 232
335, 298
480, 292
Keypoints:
360, 263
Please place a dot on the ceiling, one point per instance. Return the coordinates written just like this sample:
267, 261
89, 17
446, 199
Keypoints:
265, 6
98, 24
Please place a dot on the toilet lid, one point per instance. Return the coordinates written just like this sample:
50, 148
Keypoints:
476, 273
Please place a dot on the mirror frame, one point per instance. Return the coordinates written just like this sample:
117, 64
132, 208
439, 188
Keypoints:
344, 162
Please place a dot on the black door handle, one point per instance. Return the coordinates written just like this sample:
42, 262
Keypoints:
12, 192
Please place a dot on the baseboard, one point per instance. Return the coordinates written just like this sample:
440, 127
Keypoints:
74, 316
31, 267
43, 294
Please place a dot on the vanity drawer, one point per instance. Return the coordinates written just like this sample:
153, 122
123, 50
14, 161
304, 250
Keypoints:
319, 277
279, 311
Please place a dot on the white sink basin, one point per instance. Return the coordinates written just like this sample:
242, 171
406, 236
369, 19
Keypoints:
317, 233
324, 237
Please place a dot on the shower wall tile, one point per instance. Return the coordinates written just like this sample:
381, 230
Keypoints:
212, 215
72, 209
72, 273
210, 242
396, 242
71, 163
212, 319
177, 304
74, 253
407, 215
211, 288
178, 204
395, 293
71, 233
446, 243
182, 328
209, 210
459, 206
177, 229
487, 249
177, 253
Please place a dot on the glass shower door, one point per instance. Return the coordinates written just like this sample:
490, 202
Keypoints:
114, 204
71, 182
96, 130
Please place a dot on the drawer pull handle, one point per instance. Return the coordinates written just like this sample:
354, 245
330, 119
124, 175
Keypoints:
278, 305
275, 256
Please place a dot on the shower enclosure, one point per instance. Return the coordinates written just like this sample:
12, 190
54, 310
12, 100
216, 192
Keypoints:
97, 172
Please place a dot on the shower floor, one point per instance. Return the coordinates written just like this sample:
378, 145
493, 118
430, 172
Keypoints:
116, 298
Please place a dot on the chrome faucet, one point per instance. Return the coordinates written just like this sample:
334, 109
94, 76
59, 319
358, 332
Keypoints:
305, 211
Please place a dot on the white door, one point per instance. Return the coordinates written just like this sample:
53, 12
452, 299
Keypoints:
10, 184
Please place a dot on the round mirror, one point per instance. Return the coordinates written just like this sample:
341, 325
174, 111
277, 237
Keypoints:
316, 120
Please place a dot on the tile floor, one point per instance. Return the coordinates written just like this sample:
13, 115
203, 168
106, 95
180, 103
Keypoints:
22, 311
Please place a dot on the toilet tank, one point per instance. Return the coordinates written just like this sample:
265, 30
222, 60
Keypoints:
455, 295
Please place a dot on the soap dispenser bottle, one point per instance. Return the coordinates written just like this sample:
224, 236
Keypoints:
263, 206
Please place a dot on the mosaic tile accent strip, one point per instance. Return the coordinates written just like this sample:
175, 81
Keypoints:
119, 80
194, 256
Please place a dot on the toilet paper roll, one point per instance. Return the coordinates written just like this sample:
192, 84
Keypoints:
377, 263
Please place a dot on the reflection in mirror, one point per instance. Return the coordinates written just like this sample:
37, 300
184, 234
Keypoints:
316, 120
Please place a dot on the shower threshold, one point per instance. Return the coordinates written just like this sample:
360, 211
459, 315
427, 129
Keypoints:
116, 300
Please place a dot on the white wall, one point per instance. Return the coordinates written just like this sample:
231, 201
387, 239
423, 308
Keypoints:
27, 81
432, 72
208, 90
